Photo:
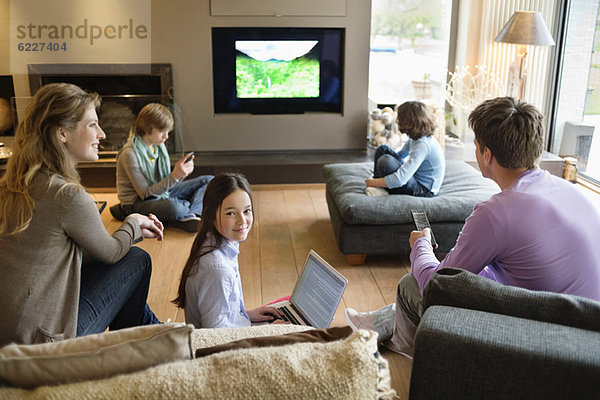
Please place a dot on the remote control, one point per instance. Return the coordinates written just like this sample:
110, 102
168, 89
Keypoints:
421, 222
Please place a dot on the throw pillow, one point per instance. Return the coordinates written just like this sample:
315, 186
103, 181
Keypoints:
95, 356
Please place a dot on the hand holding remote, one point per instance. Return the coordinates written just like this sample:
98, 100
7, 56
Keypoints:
422, 223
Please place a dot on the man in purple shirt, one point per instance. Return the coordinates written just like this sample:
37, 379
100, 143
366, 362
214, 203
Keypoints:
538, 233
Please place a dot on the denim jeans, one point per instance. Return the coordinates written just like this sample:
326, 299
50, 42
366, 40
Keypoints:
387, 161
185, 199
114, 296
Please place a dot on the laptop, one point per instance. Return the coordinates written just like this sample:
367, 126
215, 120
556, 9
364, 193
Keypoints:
316, 296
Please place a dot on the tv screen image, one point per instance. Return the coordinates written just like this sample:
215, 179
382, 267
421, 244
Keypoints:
277, 68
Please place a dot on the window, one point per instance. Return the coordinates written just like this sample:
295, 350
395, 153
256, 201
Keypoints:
576, 119
409, 50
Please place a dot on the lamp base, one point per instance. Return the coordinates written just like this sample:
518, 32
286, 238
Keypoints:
517, 75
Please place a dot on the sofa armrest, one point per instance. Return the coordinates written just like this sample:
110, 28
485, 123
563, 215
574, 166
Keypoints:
469, 354
459, 288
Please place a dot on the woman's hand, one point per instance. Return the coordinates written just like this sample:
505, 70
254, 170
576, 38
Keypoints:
265, 314
183, 167
151, 227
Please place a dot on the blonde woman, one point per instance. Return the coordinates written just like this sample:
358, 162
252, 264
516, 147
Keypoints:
63, 275
145, 182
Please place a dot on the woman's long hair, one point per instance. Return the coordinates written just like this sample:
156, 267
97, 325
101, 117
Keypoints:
217, 190
37, 147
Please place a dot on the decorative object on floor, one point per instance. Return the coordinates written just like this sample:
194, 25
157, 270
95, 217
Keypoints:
383, 128
467, 88
523, 28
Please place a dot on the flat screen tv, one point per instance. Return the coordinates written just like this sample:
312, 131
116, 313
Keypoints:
277, 70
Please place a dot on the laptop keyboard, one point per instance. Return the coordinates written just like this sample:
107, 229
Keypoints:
288, 316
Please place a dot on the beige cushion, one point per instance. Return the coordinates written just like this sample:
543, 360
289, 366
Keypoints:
345, 369
95, 356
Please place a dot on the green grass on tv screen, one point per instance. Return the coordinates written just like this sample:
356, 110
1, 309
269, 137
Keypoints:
296, 78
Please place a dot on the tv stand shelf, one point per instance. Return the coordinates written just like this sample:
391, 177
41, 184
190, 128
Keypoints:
260, 167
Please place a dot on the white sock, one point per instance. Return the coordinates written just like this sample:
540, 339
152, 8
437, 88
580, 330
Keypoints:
376, 191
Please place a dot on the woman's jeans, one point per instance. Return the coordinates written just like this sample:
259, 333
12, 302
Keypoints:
114, 296
387, 161
185, 199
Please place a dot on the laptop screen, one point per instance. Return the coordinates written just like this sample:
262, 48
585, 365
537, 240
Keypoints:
318, 291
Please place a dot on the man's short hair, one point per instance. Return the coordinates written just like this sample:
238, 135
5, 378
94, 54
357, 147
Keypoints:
513, 131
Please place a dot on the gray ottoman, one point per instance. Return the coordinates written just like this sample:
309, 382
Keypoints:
382, 225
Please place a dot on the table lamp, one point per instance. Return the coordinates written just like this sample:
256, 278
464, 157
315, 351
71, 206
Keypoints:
523, 28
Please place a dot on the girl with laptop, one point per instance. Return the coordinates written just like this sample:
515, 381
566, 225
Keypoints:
210, 290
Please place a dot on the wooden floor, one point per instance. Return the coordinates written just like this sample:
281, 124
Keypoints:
289, 221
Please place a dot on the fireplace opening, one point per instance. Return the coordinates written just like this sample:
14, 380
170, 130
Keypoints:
125, 89
7, 91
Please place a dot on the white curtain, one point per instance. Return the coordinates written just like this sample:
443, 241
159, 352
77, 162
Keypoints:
498, 56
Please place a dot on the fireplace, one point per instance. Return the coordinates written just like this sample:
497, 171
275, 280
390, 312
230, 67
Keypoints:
7, 91
125, 89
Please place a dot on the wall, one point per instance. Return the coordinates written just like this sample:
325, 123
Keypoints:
4, 37
181, 36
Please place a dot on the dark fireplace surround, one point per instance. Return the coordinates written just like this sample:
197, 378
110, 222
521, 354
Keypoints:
124, 88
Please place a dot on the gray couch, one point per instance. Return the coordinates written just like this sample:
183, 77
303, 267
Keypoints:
382, 225
481, 340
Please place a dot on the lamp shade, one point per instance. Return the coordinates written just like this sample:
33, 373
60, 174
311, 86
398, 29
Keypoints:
526, 27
